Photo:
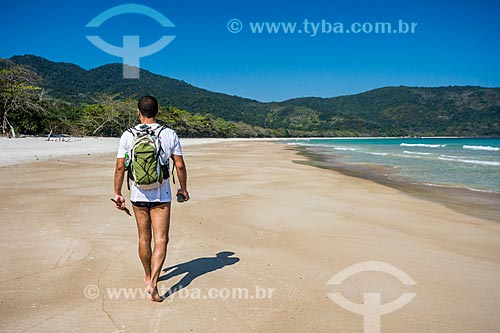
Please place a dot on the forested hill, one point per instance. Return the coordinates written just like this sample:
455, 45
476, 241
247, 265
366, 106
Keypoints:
390, 111
72, 83
399, 111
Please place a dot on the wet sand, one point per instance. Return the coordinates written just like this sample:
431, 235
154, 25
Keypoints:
474, 203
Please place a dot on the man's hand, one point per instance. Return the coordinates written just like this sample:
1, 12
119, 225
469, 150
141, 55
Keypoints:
119, 201
184, 194
118, 182
181, 175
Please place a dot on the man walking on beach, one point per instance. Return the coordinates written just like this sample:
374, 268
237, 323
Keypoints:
151, 206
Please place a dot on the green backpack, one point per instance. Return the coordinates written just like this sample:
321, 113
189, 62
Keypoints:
146, 165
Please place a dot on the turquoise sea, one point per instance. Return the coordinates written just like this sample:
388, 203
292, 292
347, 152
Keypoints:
469, 163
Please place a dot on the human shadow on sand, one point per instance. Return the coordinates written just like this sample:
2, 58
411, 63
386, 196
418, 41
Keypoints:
195, 268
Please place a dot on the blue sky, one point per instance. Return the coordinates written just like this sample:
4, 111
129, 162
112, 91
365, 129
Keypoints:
455, 43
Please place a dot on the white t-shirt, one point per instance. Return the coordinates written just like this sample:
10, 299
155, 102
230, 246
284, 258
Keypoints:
171, 146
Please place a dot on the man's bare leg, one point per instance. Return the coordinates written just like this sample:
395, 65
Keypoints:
144, 230
160, 219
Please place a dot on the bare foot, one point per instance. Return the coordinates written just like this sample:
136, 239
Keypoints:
149, 286
155, 296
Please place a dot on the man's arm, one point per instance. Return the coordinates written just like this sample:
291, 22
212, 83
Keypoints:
181, 175
119, 176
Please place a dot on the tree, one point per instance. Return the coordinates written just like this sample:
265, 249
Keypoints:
20, 97
109, 115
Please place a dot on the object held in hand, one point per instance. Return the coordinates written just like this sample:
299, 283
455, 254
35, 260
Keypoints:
180, 197
118, 205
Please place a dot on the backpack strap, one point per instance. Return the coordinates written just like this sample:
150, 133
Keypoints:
130, 130
160, 150
157, 134
173, 164
173, 167
161, 129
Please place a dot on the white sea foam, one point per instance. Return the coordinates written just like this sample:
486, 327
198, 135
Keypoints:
408, 156
415, 153
420, 145
344, 148
478, 190
299, 144
375, 153
457, 186
493, 163
451, 156
489, 148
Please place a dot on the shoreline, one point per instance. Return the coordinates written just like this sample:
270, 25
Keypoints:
473, 203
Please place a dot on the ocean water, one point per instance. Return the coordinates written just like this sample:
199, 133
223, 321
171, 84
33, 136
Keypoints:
469, 163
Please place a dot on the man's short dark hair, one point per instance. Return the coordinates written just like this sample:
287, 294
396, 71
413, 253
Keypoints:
148, 106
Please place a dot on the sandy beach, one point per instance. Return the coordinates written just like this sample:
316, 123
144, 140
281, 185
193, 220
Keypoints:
256, 221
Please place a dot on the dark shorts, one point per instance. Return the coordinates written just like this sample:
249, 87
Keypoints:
146, 204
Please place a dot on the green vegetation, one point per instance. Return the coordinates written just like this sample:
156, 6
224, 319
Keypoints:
29, 109
64, 98
20, 99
